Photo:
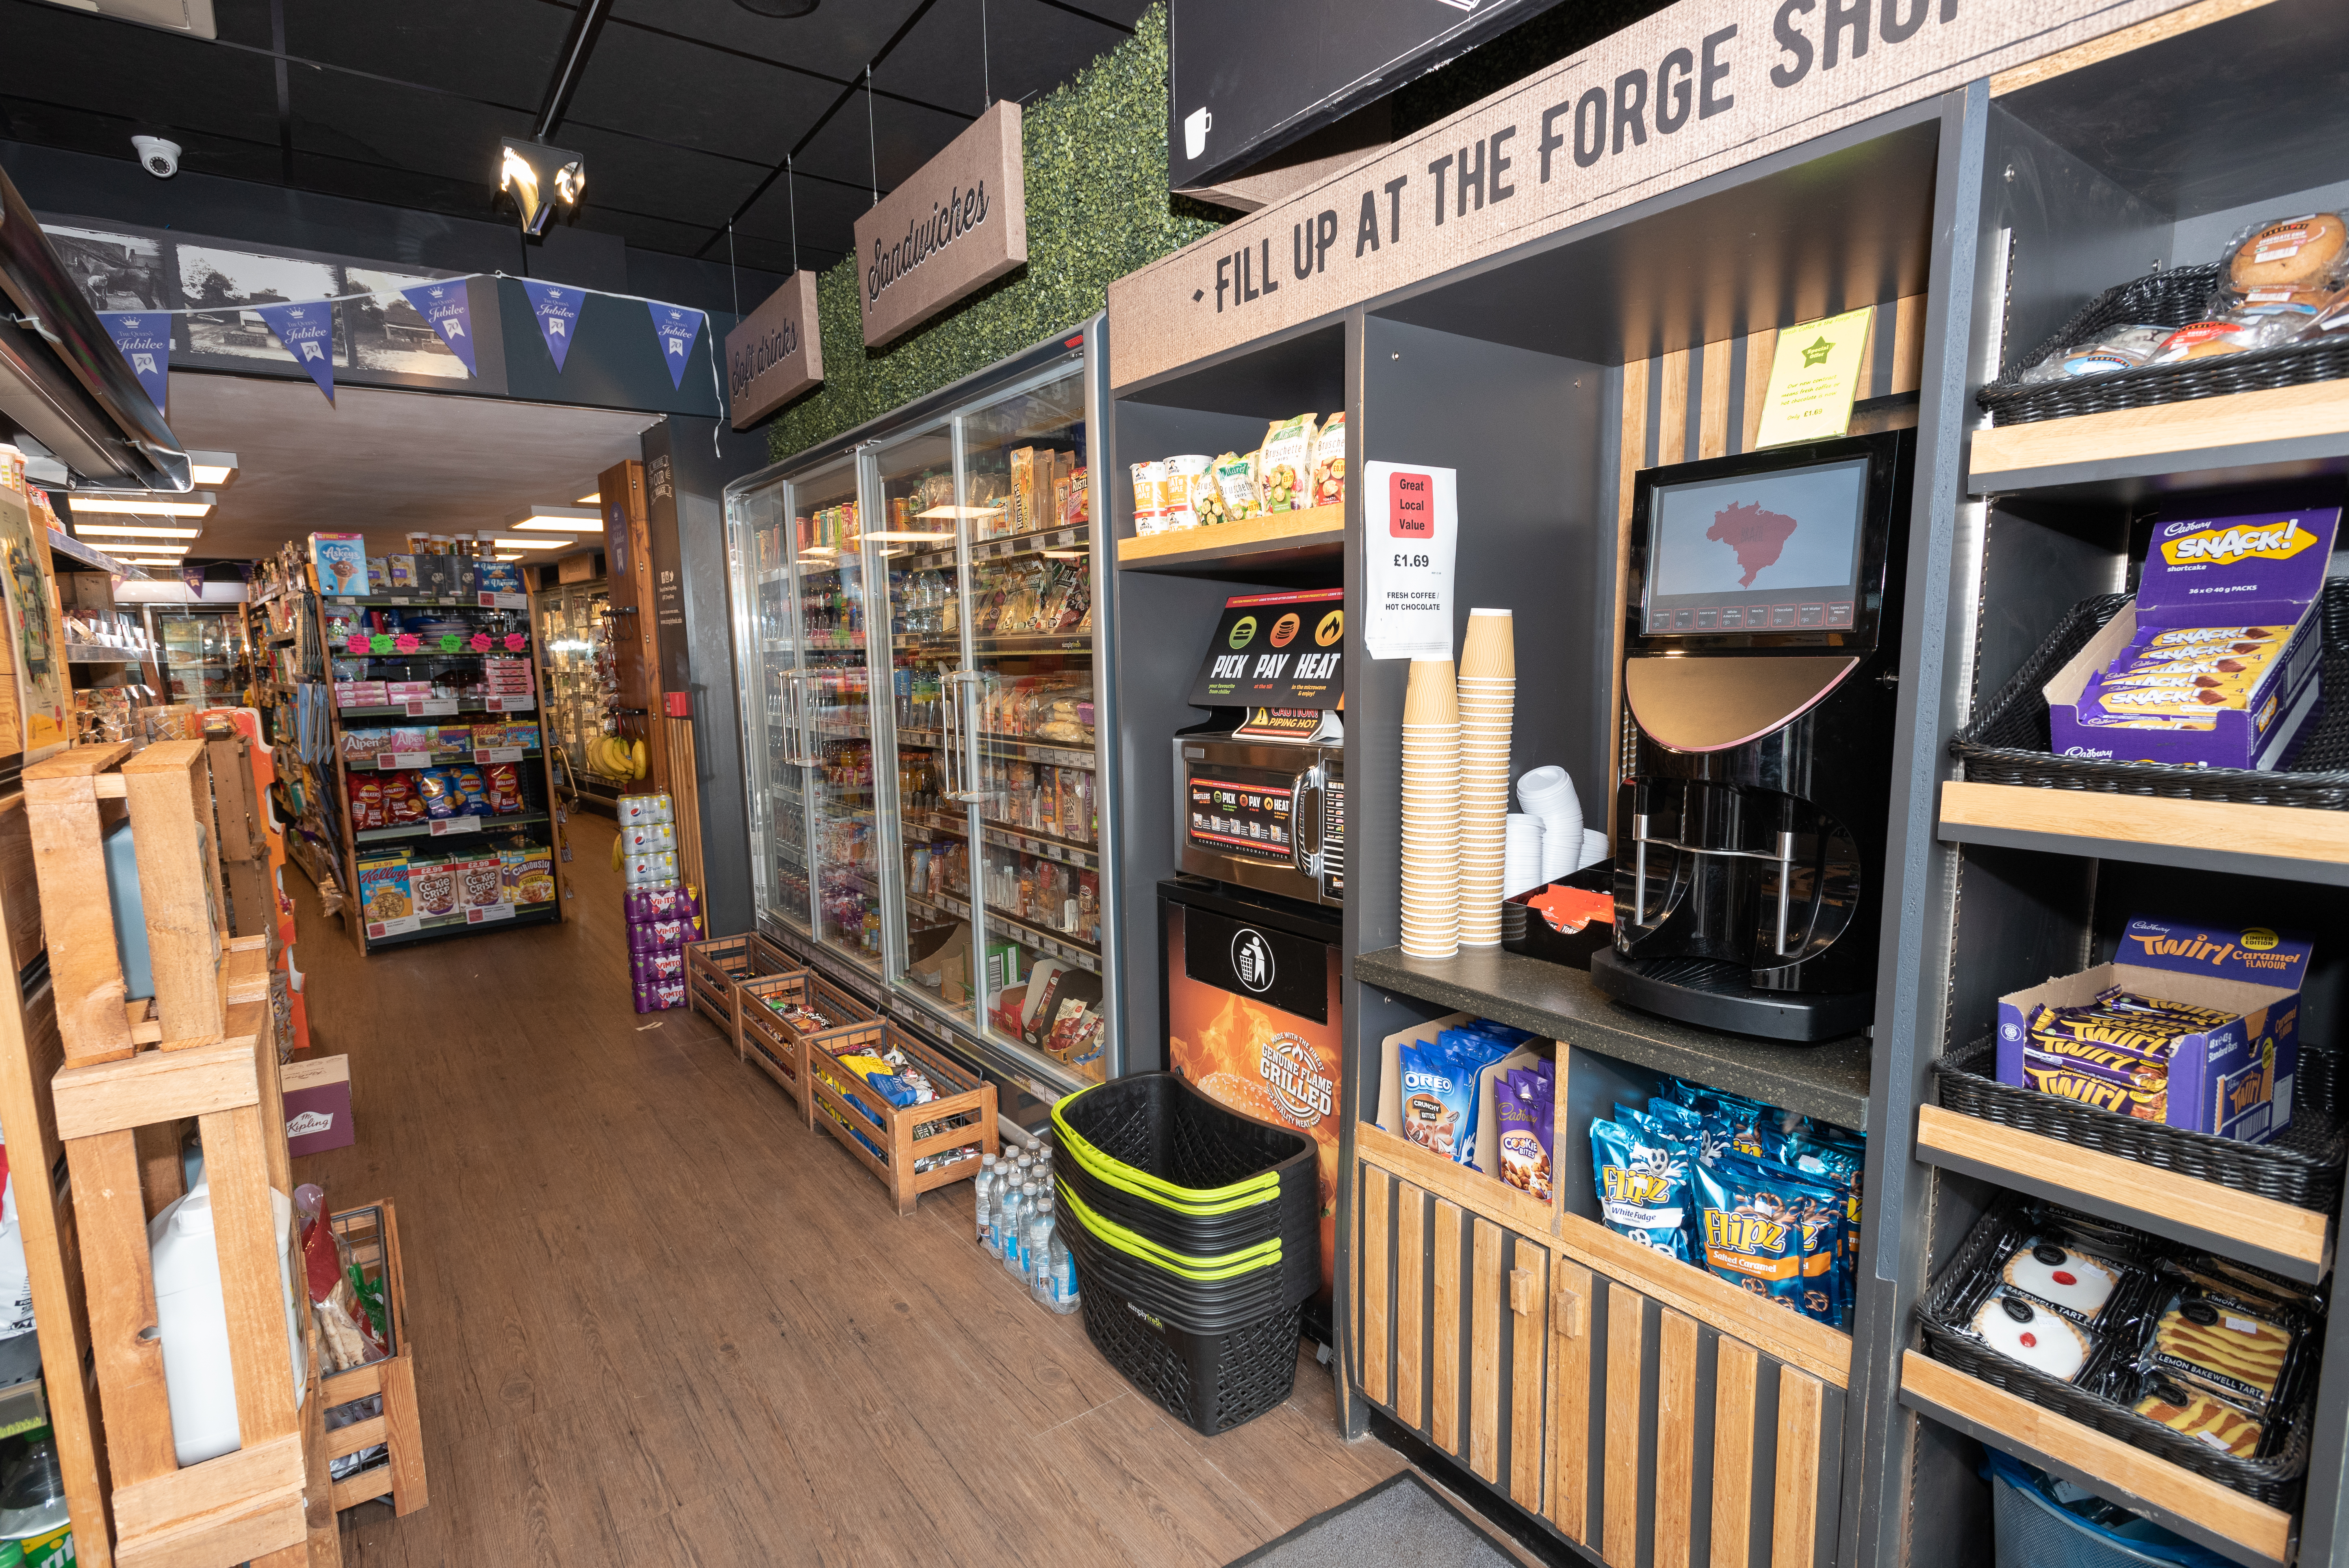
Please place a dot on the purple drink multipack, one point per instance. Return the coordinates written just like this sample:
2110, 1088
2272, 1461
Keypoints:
664, 900
2231, 1075
2217, 663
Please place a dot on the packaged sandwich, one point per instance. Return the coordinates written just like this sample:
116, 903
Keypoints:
2123, 348
1285, 465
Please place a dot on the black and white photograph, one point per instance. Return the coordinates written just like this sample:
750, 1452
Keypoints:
117, 272
240, 280
387, 333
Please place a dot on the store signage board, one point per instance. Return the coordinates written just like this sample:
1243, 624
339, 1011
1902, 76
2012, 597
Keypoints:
1814, 376
1696, 89
775, 353
957, 225
1276, 650
1411, 535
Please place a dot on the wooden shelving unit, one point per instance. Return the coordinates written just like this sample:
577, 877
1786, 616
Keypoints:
2205, 835
1280, 540
2286, 432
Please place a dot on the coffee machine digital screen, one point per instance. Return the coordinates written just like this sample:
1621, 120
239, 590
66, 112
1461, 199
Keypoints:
1772, 552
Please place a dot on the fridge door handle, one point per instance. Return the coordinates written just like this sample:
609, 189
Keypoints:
962, 704
1304, 787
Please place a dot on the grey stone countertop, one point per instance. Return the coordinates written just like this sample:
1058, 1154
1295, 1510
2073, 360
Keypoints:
1827, 1080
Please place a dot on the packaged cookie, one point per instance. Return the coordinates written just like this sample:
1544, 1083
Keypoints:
2307, 250
2216, 335
1438, 1100
2121, 347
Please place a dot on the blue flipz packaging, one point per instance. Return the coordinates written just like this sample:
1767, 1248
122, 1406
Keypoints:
1773, 1230
1439, 1099
1643, 1185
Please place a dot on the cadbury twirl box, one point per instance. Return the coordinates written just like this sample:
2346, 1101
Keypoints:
2232, 1080
2255, 577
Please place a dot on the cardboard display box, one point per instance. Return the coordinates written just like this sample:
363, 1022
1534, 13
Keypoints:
317, 1104
2232, 1081
2264, 571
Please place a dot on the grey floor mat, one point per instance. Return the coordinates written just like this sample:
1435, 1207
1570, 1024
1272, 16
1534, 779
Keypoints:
1398, 1520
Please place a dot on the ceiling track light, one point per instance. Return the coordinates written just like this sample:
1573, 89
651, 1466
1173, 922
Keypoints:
557, 519
211, 470
539, 179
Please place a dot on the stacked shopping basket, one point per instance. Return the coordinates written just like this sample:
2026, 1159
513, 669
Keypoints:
1196, 1233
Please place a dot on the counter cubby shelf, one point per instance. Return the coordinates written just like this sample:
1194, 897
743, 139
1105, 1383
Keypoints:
2241, 1528
1280, 540
1827, 1080
2245, 438
2291, 842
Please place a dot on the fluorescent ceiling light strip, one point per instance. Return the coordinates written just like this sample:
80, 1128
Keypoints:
211, 468
137, 530
596, 499
555, 525
528, 543
143, 506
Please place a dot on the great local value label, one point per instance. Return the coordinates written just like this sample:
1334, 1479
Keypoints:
1411, 533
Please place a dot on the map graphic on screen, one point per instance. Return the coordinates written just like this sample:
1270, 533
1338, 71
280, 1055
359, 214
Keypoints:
1752, 551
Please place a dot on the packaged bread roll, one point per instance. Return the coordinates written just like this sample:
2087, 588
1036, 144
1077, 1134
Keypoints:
2309, 250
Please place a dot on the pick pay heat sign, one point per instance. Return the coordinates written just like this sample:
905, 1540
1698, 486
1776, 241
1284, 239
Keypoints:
1410, 532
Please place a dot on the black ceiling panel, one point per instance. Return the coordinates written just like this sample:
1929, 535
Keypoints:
373, 122
499, 50
735, 105
827, 217
78, 129
398, 187
1031, 47
836, 40
647, 177
903, 136
143, 73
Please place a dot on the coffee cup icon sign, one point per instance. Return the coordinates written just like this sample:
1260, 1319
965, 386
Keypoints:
1196, 126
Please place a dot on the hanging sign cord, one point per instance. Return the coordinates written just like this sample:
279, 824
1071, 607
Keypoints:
871, 141
791, 188
985, 87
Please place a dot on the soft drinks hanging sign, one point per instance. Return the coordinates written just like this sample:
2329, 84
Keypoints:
775, 353
955, 226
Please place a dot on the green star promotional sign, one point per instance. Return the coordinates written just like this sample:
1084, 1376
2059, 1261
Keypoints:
1813, 377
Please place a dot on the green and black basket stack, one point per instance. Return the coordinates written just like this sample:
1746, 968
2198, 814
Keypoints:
1196, 1233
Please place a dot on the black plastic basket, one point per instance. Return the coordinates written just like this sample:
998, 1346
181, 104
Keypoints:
1195, 1307
2009, 744
2275, 1481
2302, 1167
2160, 299
1209, 1382
1175, 1148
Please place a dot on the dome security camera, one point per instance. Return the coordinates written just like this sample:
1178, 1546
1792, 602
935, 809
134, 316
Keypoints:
156, 156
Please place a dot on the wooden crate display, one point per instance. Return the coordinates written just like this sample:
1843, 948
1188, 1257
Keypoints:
713, 966
203, 1050
373, 1234
889, 1139
763, 1036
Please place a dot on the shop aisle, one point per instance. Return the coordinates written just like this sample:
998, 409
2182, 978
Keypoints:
658, 1321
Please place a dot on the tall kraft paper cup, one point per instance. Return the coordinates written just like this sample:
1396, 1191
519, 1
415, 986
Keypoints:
1488, 659
1431, 811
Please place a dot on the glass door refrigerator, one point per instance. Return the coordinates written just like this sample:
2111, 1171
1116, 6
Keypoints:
203, 653
576, 647
944, 758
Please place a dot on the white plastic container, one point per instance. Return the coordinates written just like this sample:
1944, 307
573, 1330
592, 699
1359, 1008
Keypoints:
193, 1322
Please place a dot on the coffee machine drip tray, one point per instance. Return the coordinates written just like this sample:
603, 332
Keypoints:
1716, 994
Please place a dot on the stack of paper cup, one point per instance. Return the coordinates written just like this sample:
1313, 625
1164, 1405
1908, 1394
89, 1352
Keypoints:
1488, 694
1521, 854
1431, 811
1548, 793
1595, 847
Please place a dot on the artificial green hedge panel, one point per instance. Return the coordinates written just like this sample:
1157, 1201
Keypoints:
1097, 209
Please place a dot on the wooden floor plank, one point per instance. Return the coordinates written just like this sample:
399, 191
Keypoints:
658, 1320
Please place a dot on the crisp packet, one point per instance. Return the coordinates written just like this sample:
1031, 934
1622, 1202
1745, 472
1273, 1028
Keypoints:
1643, 1185
438, 786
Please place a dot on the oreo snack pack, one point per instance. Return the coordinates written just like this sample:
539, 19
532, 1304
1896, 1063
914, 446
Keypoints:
1439, 1098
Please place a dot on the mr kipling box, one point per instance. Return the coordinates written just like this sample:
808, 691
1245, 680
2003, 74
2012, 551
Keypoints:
2232, 1078
2218, 659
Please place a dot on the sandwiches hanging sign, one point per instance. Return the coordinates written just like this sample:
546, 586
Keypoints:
1696, 89
775, 353
955, 227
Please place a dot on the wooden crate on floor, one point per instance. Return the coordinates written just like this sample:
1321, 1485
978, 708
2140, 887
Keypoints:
765, 1036
373, 1234
211, 1059
891, 1140
713, 966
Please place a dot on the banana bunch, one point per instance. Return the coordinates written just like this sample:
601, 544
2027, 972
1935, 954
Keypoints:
617, 758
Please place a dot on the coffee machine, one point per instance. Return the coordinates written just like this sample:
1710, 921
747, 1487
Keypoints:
1762, 648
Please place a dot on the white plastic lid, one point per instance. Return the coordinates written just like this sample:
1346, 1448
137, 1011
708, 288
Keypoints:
193, 1217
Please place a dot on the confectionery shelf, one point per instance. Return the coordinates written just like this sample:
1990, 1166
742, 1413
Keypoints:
1256, 544
2283, 432
2283, 841
1829, 1081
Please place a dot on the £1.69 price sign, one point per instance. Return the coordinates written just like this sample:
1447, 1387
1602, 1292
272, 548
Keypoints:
1411, 533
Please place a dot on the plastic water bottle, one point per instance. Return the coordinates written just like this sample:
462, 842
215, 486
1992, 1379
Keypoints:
1041, 1234
1011, 1208
1015, 1235
1061, 1275
983, 1187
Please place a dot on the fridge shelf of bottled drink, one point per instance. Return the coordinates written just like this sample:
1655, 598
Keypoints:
925, 707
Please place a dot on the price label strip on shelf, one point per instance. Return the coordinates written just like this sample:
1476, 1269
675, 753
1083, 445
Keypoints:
489, 912
517, 701
431, 706
496, 754
388, 761
503, 600
378, 930
1411, 533
444, 826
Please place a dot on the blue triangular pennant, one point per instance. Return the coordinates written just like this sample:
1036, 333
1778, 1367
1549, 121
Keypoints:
450, 311
675, 326
145, 339
557, 309
307, 331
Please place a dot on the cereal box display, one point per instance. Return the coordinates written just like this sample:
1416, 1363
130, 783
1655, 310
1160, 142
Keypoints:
528, 875
386, 898
341, 562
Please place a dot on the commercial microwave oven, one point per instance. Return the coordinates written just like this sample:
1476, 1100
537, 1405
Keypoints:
1267, 815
